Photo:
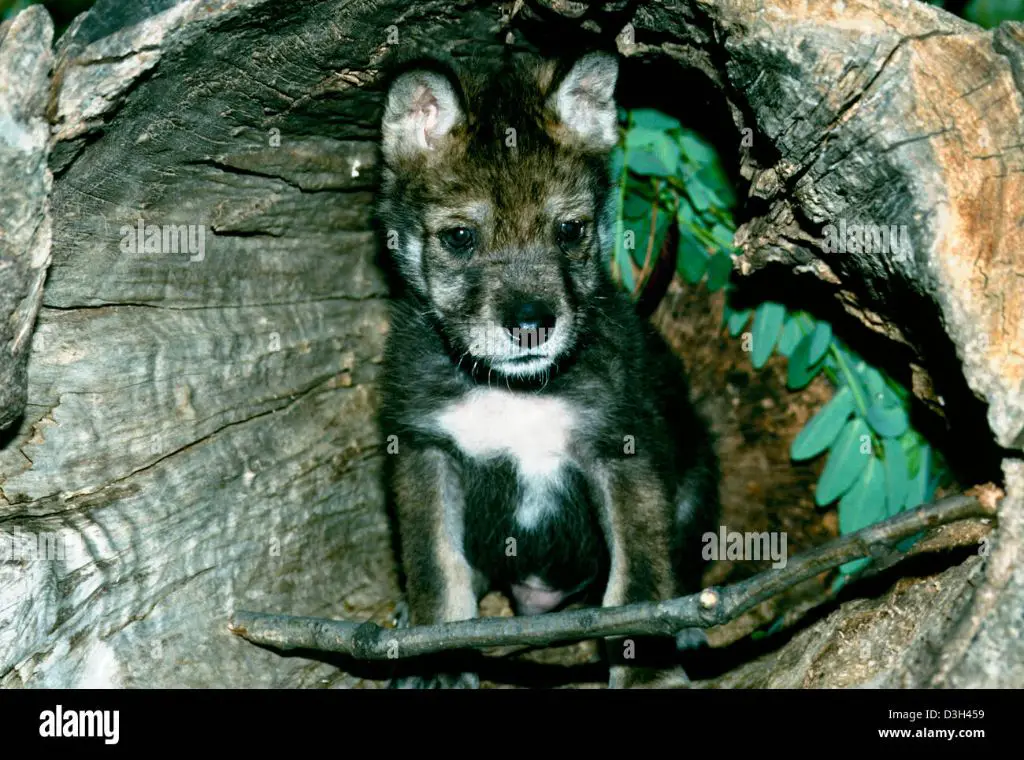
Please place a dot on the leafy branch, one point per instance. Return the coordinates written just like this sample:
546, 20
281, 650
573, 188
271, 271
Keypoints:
877, 464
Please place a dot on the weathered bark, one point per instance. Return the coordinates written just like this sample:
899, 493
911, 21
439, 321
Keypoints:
24, 198
199, 429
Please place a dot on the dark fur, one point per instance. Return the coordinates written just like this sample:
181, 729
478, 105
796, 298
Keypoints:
617, 372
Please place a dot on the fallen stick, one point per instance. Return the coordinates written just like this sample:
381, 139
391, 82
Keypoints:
710, 607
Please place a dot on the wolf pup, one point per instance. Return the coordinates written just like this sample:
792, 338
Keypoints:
543, 440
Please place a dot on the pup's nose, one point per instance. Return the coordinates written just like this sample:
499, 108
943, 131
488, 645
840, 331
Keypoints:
529, 323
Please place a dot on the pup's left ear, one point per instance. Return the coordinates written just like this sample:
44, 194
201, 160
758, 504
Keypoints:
584, 103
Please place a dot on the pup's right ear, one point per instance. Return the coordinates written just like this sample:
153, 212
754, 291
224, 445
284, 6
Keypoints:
422, 108
584, 103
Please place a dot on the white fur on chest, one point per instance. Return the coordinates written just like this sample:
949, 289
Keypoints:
534, 431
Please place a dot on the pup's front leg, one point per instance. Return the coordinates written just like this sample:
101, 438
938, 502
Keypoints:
439, 579
635, 519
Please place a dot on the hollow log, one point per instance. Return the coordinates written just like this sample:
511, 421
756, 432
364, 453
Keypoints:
194, 430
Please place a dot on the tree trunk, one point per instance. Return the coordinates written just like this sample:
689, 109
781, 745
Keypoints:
196, 432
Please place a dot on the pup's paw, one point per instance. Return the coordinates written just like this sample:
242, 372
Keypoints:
402, 618
437, 681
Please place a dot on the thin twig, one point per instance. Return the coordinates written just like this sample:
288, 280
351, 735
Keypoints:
710, 607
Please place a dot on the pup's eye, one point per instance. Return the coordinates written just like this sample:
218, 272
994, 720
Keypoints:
458, 239
571, 232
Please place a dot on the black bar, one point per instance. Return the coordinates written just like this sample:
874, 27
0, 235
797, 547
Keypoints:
730, 721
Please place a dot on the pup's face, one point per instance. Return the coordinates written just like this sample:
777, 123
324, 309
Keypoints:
498, 207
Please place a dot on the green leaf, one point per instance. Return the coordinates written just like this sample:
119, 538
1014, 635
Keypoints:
990, 13
713, 176
891, 422
723, 236
642, 138
845, 463
801, 371
824, 427
654, 120
738, 320
686, 216
767, 325
635, 206
848, 356
701, 197
913, 452
908, 542
820, 339
623, 256
727, 312
719, 269
647, 163
917, 488
892, 392
651, 152
850, 568
637, 243
696, 150
901, 393
693, 257
617, 161
792, 333
880, 391
896, 480
864, 503
848, 364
